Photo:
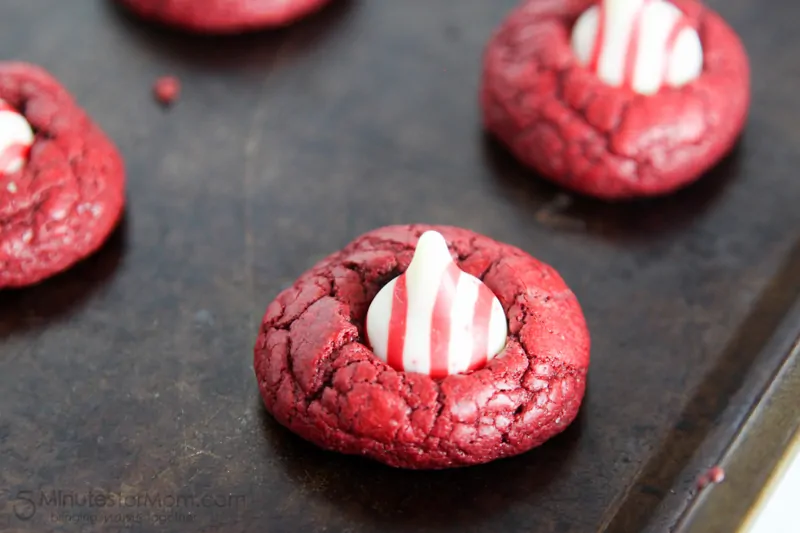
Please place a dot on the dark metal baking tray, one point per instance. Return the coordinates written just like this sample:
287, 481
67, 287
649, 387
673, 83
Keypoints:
131, 374
755, 460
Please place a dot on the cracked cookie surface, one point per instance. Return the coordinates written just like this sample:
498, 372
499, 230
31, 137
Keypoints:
319, 378
68, 198
223, 16
561, 120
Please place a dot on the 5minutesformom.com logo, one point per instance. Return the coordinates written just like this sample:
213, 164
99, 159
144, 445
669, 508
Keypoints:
24, 506
26, 503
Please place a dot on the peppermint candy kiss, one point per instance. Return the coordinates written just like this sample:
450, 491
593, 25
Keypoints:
638, 44
436, 319
16, 139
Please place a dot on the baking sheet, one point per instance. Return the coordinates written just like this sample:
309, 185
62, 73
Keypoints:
131, 375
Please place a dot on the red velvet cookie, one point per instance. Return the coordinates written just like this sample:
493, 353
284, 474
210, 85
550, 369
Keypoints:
63, 199
319, 377
223, 16
563, 119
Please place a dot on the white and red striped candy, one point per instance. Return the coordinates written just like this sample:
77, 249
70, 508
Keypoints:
16, 139
638, 44
436, 319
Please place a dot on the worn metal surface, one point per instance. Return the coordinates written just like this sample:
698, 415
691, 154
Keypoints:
132, 373
759, 453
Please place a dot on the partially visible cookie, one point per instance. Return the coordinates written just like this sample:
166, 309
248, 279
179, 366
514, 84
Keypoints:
616, 99
326, 370
223, 16
64, 193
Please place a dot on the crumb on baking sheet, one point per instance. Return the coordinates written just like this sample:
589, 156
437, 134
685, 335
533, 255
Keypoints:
167, 89
713, 475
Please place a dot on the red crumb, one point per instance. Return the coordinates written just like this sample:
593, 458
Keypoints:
713, 475
167, 89
716, 474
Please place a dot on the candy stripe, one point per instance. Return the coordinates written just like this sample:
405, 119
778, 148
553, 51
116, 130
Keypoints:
440, 330
16, 138
597, 48
435, 319
481, 322
632, 48
13, 153
633, 43
397, 325
440, 321
672, 42
461, 314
